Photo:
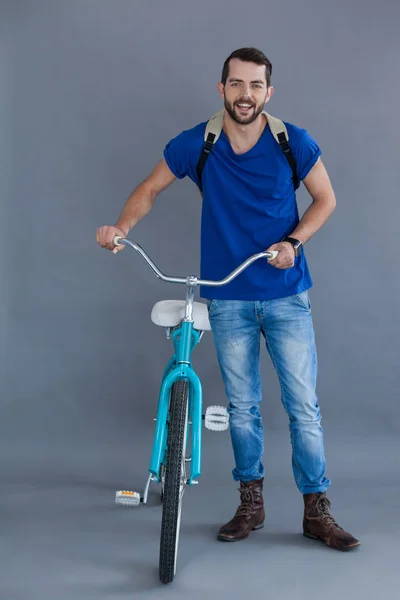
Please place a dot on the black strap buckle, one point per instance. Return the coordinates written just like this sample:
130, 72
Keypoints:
209, 143
283, 143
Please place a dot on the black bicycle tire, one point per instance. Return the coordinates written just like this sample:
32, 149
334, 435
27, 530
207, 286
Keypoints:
171, 495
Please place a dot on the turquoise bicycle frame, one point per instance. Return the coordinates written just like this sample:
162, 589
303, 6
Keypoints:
185, 338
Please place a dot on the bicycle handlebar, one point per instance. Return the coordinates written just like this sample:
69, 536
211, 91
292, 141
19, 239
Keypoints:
192, 280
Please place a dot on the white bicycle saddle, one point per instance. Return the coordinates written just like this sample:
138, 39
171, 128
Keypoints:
169, 313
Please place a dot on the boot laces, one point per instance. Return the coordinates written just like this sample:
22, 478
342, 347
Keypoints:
322, 506
247, 502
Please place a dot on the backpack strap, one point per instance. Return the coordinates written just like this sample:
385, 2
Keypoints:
211, 135
213, 131
279, 131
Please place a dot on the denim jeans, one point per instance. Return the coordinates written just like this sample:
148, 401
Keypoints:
286, 325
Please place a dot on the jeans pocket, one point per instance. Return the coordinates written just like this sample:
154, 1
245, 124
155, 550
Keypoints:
210, 305
304, 300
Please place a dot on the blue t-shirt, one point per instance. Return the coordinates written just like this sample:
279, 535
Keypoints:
249, 203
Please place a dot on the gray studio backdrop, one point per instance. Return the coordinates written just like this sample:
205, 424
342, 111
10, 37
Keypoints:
91, 91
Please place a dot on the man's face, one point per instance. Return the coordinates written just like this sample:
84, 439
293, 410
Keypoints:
245, 92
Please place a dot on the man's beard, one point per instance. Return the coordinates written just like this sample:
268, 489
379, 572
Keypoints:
255, 111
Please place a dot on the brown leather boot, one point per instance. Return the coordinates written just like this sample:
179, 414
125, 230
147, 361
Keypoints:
319, 524
250, 514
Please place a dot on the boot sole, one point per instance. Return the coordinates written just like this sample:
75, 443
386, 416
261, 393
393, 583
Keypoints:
223, 538
315, 537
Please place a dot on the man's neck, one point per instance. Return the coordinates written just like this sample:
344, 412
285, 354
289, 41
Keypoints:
243, 136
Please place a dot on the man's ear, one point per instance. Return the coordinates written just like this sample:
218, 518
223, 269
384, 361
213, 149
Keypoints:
269, 93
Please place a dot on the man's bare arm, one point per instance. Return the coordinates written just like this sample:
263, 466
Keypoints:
323, 204
138, 205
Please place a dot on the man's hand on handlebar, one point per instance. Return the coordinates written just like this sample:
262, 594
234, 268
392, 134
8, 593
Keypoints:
105, 238
286, 256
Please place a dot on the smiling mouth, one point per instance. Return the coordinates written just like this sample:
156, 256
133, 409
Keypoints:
244, 107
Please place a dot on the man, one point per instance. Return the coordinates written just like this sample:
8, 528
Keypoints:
249, 205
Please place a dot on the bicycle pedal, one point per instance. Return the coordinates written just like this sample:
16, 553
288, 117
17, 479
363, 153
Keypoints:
127, 498
216, 418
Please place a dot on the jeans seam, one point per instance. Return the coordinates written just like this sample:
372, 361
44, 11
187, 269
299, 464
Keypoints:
256, 313
260, 427
259, 390
299, 478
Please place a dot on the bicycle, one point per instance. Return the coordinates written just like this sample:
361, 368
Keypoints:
179, 407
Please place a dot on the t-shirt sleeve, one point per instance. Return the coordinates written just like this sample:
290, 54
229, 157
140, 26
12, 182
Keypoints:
306, 152
177, 156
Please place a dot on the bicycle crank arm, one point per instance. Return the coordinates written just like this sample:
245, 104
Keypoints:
130, 498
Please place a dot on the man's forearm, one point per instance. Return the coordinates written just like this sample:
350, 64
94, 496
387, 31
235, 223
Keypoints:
139, 203
314, 218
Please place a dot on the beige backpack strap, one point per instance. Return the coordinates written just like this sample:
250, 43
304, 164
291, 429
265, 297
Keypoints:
214, 125
216, 122
276, 126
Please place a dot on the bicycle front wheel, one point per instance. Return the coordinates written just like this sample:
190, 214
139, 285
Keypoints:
175, 480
